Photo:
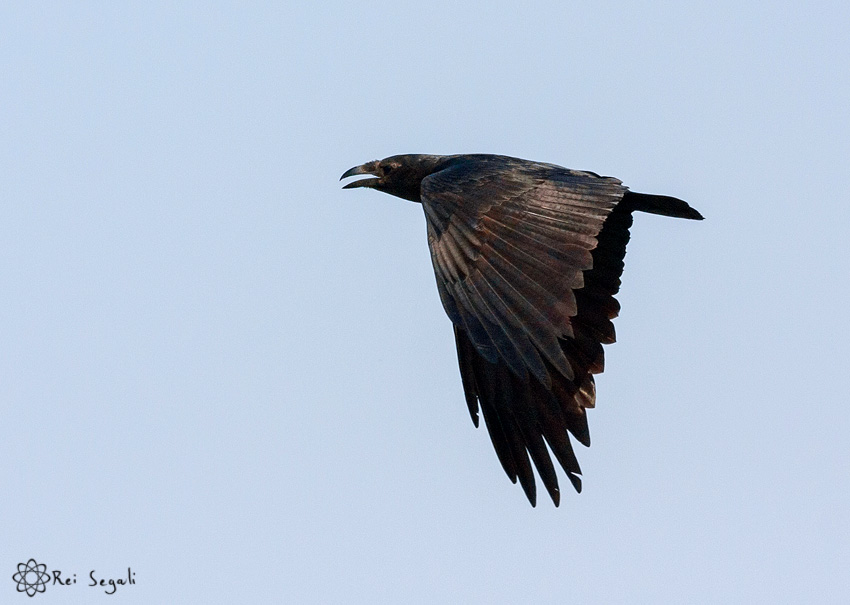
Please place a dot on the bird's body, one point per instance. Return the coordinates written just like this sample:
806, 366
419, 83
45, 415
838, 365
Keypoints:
528, 258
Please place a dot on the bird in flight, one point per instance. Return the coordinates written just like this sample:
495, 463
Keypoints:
528, 258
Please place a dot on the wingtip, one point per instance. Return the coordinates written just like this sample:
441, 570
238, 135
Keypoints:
530, 493
576, 481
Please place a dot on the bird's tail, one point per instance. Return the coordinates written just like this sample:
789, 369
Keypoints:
661, 204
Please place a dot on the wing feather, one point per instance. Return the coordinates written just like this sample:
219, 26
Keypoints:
527, 269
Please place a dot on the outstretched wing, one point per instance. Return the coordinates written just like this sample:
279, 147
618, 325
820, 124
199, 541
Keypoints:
527, 276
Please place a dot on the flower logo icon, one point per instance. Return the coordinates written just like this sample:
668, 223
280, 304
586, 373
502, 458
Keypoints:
31, 577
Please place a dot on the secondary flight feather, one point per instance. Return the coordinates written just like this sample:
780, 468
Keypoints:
528, 257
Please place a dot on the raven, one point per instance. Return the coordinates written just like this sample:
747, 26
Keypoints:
528, 258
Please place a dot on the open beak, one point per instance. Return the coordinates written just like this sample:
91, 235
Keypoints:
367, 168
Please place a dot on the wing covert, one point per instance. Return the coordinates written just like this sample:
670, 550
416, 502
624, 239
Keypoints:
509, 245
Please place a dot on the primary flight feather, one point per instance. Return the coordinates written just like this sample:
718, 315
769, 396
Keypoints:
528, 258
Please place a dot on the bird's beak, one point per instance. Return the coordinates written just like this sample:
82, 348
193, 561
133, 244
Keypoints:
367, 168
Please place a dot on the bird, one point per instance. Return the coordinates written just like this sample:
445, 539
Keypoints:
528, 258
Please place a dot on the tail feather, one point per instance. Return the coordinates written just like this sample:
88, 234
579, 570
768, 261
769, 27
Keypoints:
661, 204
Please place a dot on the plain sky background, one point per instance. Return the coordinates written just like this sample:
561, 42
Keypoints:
219, 368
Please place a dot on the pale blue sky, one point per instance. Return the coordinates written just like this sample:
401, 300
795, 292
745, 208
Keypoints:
219, 368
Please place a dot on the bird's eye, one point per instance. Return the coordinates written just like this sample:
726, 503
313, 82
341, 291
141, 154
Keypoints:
388, 169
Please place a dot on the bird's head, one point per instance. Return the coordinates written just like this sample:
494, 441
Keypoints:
398, 175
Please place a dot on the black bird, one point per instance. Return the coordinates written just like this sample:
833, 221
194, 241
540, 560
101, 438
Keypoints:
528, 258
